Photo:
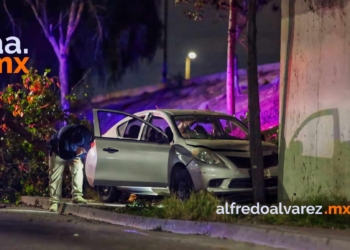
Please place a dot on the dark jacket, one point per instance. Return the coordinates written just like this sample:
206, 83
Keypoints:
62, 144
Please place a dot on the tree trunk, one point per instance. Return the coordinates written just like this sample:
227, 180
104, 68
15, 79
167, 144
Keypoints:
165, 44
231, 67
236, 80
63, 63
254, 109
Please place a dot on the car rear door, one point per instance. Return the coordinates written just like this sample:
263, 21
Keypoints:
128, 160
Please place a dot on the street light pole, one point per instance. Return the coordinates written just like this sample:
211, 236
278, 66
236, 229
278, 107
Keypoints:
188, 68
189, 57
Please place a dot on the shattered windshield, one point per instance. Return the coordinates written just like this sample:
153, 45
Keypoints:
210, 127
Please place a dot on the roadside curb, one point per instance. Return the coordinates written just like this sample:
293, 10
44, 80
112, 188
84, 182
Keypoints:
41, 202
261, 235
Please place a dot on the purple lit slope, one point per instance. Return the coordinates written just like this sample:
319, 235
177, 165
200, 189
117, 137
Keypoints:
207, 93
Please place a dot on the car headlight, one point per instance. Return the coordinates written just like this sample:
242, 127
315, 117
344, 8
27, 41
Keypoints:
206, 156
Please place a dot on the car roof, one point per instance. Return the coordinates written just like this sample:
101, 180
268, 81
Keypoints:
185, 112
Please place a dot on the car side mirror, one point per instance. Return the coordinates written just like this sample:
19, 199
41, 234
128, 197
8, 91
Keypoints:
263, 137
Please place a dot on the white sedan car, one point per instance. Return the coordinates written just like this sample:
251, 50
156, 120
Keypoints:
163, 151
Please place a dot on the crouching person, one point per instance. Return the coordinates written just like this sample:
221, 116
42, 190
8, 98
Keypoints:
68, 146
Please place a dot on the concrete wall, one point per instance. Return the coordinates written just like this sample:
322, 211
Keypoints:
315, 98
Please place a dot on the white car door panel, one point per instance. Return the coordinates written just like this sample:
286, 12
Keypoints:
129, 162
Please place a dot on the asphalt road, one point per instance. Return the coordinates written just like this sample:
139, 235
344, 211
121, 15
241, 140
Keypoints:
29, 229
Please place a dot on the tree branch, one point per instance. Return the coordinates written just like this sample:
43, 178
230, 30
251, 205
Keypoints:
37, 16
63, 17
61, 39
44, 12
8, 119
73, 22
81, 80
14, 25
71, 18
242, 41
44, 26
99, 25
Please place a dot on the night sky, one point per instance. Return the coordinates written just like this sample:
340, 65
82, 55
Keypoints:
208, 38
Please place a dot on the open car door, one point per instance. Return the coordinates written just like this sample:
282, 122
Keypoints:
128, 160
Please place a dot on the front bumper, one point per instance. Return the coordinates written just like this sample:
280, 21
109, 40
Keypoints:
225, 181
246, 196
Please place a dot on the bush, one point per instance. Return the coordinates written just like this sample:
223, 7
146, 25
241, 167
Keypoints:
35, 108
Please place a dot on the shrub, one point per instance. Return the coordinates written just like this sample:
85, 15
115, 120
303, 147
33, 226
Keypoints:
35, 109
199, 207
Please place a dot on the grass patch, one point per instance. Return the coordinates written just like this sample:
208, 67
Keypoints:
90, 194
203, 206
313, 220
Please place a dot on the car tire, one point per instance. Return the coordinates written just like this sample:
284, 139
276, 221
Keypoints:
183, 184
108, 194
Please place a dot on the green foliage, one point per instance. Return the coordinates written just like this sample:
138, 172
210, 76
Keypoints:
197, 7
271, 135
200, 206
35, 107
196, 10
80, 96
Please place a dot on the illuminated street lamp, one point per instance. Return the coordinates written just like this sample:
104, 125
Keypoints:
189, 57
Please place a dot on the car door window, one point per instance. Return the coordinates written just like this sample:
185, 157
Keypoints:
160, 123
121, 129
112, 126
132, 129
233, 130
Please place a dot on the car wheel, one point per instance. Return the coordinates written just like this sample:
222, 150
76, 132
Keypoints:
108, 194
183, 184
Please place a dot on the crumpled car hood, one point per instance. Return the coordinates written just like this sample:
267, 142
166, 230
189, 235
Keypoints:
236, 145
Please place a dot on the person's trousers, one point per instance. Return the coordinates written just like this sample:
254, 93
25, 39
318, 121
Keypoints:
56, 169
